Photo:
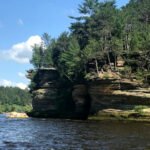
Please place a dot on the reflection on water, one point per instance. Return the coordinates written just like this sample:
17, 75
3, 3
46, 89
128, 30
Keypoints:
51, 134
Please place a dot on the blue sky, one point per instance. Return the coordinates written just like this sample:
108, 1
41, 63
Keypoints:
22, 22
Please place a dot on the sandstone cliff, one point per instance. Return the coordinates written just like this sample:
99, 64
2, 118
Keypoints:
117, 94
119, 100
50, 96
54, 98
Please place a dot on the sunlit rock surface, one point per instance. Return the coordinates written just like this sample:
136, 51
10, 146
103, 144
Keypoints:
16, 115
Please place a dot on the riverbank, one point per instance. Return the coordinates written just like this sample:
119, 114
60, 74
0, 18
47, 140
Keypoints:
138, 114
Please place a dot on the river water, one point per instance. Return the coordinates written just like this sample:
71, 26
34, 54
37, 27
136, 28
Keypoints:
51, 134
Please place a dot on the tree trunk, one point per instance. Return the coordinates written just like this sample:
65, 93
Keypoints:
96, 65
115, 62
109, 60
106, 50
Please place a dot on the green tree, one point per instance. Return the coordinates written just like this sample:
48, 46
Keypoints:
60, 46
42, 54
14, 99
70, 61
37, 56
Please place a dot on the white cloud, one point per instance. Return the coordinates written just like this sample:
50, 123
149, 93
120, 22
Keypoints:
20, 22
21, 85
9, 83
20, 74
21, 52
5, 82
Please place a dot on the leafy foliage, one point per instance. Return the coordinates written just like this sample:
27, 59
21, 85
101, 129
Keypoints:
70, 61
14, 99
42, 54
100, 35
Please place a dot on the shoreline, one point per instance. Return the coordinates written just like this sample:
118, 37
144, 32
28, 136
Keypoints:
102, 116
13, 114
139, 115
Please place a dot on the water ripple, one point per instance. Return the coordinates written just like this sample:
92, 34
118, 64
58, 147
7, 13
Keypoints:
51, 134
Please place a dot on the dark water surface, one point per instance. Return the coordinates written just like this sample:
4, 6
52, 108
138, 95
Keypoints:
50, 134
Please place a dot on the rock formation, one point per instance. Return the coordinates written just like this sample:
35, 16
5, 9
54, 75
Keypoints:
119, 100
116, 94
16, 115
49, 95
57, 99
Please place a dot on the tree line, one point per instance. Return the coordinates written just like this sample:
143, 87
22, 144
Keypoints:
100, 35
14, 99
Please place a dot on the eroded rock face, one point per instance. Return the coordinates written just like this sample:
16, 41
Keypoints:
81, 100
44, 99
49, 95
54, 98
116, 94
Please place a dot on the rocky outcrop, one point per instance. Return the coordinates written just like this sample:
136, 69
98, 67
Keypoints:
46, 92
49, 95
142, 114
53, 97
116, 94
16, 115
119, 100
